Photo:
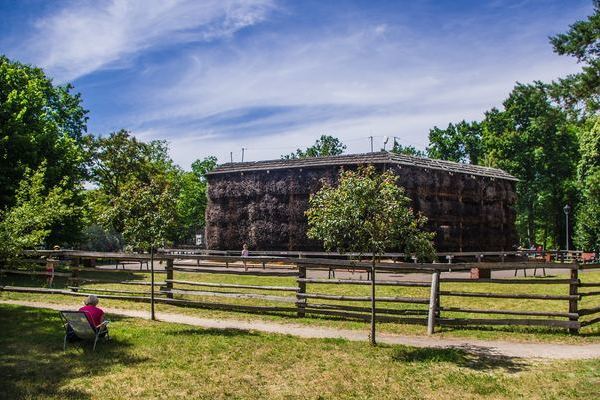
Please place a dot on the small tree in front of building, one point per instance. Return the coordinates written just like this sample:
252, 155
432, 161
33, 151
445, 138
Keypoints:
368, 213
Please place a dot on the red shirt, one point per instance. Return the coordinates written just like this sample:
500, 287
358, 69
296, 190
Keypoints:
94, 314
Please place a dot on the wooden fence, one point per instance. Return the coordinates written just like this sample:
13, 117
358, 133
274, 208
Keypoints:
427, 294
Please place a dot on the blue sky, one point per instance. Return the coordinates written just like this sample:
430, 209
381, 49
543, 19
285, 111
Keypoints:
212, 77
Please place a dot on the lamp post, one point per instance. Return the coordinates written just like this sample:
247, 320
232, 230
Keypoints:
566, 209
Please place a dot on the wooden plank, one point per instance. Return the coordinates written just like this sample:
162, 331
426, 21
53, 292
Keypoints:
233, 272
145, 299
415, 300
523, 281
38, 273
344, 307
589, 266
590, 322
118, 271
435, 278
588, 311
510, 322
300, 302
573, 292
365, 317
589, 284
231, 295
510, 312
234, 285
589, 293
510, 295
127, 282
94, 290
365, 282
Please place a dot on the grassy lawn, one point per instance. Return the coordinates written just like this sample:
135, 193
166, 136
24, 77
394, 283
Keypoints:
589, 334
160, 360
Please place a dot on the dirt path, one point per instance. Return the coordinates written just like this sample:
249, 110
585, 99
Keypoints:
492, 348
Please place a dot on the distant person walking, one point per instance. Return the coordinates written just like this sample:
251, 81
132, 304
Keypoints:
245, 253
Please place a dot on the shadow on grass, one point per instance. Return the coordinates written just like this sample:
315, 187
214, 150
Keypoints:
33, 364
473, 357
227, 332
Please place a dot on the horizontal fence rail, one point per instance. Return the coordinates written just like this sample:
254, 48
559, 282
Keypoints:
305, 284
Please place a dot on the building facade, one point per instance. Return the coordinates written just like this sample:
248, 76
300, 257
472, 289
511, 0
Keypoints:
471, 208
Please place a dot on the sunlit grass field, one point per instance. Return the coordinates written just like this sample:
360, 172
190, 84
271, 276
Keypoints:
151, 360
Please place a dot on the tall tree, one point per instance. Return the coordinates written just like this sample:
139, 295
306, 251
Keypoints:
120, 162
324, 146
38, 121
580, 92
461, 142
587, 234
532, 139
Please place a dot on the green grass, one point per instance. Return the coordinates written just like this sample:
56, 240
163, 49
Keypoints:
589, 334
150, 360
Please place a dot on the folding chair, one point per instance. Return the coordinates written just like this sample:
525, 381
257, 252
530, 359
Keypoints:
82, 328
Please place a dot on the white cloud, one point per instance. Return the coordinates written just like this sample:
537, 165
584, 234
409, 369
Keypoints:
277, 89
88, 36
348, 85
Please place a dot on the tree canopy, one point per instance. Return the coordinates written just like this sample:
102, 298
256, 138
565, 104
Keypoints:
29, 222
458, 142
38, 122
324, 146
580, 92
367, 212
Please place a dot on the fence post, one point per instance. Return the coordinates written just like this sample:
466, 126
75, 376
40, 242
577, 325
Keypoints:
301, 301
373, 314
75, 267
573, 291
435, 280
169, 285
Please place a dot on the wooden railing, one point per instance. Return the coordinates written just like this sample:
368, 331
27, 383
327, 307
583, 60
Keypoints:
432, 294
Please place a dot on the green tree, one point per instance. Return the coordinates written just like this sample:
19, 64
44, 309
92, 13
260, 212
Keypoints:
147, 211
192, 200
461, 142
324, 146
587, 232
367, 213
120, 157
533, 140
40, 122
407, 150
121, 166
580, 92
28, 223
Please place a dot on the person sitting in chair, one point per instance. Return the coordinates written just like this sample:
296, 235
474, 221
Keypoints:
93, 312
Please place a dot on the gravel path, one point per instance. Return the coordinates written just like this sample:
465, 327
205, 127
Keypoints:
491, 348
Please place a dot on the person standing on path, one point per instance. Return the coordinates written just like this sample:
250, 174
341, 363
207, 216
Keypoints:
245, 253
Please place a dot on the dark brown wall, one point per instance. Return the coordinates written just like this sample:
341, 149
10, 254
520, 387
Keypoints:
266, 209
